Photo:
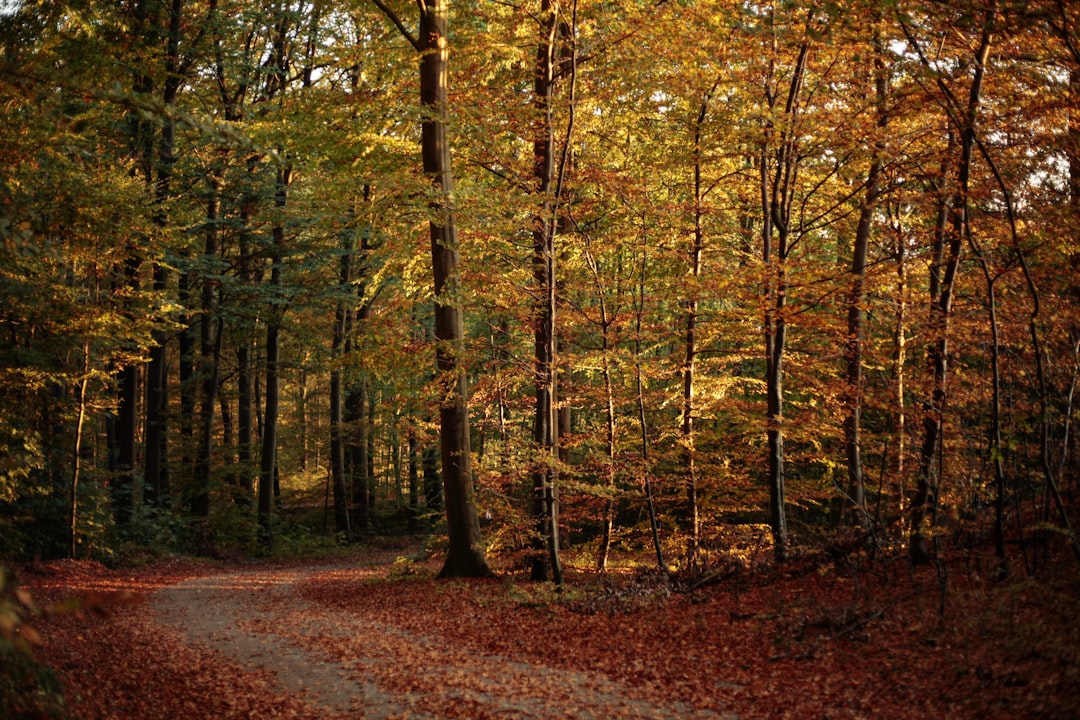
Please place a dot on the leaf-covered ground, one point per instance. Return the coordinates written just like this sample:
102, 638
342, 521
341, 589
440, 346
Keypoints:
377, 636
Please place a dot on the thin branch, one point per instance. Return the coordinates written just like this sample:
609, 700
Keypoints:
393, 16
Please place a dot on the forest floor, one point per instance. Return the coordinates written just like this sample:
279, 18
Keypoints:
375, 635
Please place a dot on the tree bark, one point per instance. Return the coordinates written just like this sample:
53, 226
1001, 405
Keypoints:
941, 298
268, 457
776, 202
856, 327
340, 349
545, 423
209, 349
697, 247
465, 557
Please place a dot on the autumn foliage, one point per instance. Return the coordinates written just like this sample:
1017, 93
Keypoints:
806, 640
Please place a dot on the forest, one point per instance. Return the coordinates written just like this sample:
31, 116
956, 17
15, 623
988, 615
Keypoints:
727, 299
541, 276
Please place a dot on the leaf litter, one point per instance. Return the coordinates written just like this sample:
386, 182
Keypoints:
375, 638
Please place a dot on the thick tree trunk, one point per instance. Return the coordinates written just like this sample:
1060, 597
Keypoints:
127, 380
155, 457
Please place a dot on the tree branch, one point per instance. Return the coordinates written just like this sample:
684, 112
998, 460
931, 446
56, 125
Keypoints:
393, 16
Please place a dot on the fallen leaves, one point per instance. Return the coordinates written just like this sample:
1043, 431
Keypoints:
760, 645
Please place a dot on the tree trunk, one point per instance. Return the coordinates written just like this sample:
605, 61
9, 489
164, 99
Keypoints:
776, 203
356, 407
897, 417
268, 460
127, 380
414, 483
856, 327
340, 351
608, 519
73, 507
209, 348
545, 424
951, 230
697, 246
465, 557
643, 427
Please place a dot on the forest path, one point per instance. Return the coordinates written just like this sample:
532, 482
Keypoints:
342, 664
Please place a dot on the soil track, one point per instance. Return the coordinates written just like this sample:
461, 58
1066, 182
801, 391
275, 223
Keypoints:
341, 663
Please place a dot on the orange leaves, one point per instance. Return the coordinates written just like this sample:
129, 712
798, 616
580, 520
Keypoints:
757, 644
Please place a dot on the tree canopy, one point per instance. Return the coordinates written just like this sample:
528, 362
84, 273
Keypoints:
701, 270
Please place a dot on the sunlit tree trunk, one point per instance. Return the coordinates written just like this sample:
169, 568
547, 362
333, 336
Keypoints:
73, 500
465, 557
545, 423
898, 413
608, 519
690, 349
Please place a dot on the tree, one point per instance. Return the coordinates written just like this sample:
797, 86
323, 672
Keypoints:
465, 557
778, 165
949, 238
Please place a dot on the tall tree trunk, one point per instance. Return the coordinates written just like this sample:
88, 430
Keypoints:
545, 423
925, 497
155, 460
245, 391
643, 426
268, 458
856, 302
465, 557
146, 36
697, 246
898, 415
208, 353
608, 520
73, 506
777, 194
123, 487
340, 351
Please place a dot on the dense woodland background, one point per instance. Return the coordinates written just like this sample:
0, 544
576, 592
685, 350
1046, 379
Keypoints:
735, 276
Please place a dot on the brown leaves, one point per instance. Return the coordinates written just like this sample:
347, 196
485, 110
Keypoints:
759, 645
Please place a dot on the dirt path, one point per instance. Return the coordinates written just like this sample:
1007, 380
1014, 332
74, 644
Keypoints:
344, 664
